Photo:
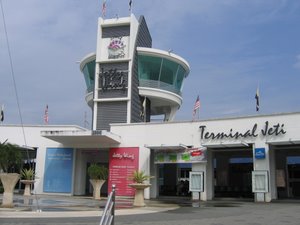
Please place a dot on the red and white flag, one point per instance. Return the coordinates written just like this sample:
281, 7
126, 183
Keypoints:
196, 106
104, 8
46, 116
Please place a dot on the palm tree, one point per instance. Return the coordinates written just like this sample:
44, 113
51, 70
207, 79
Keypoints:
10, 157
139, 177
98, 175
10, 162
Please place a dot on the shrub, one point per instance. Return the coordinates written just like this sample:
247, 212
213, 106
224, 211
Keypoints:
97, 172
139, 177
10, 157
27, 174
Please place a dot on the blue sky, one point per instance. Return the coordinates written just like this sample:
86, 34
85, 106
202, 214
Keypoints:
232, 46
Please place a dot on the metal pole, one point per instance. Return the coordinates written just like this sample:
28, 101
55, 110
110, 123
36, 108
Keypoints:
114, 203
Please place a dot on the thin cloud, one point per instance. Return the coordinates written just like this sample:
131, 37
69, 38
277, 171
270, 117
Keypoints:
228, 45
297, 64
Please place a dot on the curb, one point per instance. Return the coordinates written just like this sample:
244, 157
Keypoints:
55, 214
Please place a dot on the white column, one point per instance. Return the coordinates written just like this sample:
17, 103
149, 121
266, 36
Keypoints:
264, 165
96, 88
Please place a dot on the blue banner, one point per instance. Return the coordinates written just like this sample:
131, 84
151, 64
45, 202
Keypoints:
58, 170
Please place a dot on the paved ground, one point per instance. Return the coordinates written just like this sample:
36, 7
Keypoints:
73, 206
228, 213
83, 210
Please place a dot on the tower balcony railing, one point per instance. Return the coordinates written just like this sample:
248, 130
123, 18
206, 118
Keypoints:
89, 89
159, 85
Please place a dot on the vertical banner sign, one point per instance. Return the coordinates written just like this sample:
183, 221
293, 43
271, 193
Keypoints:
122, 163
58, 170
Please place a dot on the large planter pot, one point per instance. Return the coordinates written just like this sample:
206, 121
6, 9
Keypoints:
28, 183
9, 181
97, 185
139, 193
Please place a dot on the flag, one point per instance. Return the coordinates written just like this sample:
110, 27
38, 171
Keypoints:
2, 113
257, 99
104, 8
130, 3
144, 103
196, 106
143, 112
46, 117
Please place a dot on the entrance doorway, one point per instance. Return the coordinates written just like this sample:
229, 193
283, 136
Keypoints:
287, 160
174, 179
232, 172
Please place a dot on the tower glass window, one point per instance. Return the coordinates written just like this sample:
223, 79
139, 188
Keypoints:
168, 71
89, 75
160, 72
149, 67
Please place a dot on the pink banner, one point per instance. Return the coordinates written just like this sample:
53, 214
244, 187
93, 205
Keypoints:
122, 163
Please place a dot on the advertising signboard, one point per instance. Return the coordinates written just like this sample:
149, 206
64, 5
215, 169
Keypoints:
188, 156
58, 170
122, 163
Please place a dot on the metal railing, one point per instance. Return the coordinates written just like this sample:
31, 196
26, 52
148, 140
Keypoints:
108, 215
159, 85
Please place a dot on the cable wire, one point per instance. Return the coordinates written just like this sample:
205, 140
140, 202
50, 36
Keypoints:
17, 96
14, 81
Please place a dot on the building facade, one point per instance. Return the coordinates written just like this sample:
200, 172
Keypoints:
128, 85
246, 157
127, 80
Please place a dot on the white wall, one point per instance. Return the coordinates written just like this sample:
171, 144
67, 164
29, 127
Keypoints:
33, 138
188, 133
144, 135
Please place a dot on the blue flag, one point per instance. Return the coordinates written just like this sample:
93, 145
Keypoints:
257, 99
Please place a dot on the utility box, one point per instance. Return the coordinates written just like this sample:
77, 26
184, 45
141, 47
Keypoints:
196, 181
260, 184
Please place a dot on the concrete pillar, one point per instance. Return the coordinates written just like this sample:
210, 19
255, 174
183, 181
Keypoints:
28, 183
264, 165
9, 181
139, 193
97, 184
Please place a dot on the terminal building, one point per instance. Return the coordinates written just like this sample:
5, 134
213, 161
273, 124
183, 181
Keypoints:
130, 85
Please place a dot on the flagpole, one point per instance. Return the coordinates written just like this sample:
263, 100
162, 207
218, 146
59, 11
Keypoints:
144, 108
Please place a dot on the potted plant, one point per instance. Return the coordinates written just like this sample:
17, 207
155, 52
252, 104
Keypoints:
10, 162
27, 178
139, 177
98, 176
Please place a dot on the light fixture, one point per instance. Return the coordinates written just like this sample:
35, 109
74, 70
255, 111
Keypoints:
245, 143
183, 145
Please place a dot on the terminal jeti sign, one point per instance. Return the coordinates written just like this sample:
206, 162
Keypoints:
112, 79
268, 130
